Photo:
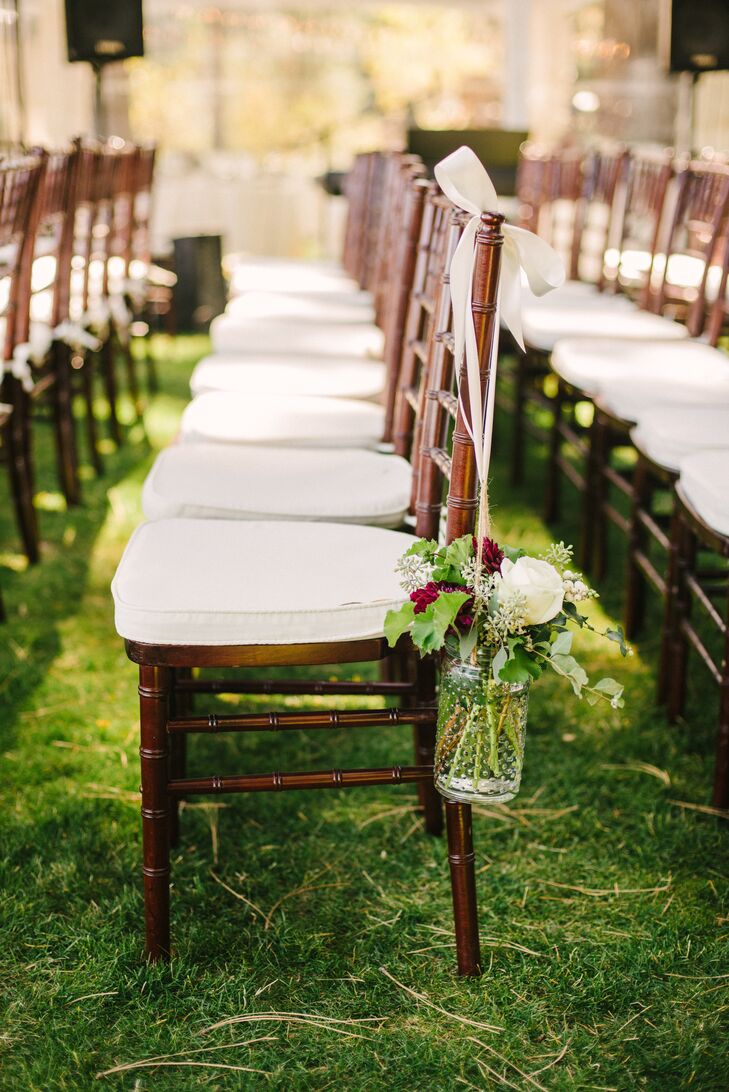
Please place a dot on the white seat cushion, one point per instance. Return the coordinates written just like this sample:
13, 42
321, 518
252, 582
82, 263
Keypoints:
668, 433
225, 481
230, 335
600, 316
225, 582
326, 377
629, 372
331, 307
288, 275
704, 478
227, 418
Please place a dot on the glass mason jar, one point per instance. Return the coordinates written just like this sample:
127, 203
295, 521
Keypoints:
479, 750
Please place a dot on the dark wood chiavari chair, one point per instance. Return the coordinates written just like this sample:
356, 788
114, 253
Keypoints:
568, 437
65, 364
700, 211
335, 484
692, 585
230, 385
578, 190
19, 180
116, 265
150, 287
162, 656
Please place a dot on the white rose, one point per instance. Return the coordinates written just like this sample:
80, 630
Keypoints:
538, 582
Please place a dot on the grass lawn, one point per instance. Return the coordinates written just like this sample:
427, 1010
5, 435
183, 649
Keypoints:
604, 903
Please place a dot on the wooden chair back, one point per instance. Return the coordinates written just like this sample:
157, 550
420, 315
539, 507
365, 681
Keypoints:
141, 246
19, 181
628, 265
53, 242
427, 323
531, 184
447, 453
596, 214
693, 226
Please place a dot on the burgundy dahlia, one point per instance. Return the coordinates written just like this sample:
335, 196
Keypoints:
423, 597
492, 555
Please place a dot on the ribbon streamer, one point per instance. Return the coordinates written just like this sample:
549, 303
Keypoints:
465, 181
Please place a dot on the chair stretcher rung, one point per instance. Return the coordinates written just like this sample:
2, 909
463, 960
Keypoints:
316, 779
310, 718
291, 686
703, 601
571, 472
442, 460
411, 397
616, 517
699, 646
654, 529
650, 572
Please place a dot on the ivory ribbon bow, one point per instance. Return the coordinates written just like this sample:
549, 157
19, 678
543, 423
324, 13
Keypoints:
466, 183
36, 349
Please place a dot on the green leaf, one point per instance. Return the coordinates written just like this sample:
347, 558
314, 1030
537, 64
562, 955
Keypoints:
513, 553
571, 612
519, 666
562, 644
467, 643
459, 552
430, 627
613, 690
498, 662
423, 547
568, 666
397, 621
618, 635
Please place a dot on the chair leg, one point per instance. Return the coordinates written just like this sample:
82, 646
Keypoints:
151, 364
106, 357
461, 859
587, 523
635, 583
180, 706
720, 796
130, 365
552, 493
21, 486
65, 428
669, 613
678, 642
92, 434
519, 433
154, 694
430, 798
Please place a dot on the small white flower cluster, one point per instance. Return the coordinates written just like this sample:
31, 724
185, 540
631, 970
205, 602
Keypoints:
414, 572
558, 555
483, 587
575, 588
509, 618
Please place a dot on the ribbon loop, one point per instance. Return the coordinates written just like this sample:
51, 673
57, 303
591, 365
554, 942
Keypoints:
466, 183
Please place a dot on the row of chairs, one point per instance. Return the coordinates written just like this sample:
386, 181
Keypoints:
74, 264
625, 360
323, 429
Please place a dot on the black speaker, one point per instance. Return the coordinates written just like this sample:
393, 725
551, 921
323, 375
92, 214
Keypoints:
104, 30
699, 35
199, 294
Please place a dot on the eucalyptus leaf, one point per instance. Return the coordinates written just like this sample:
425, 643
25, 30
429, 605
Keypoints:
568, 666
618, 635
562, 644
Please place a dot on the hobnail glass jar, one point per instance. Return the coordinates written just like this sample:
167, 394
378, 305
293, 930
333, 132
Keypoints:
479, 750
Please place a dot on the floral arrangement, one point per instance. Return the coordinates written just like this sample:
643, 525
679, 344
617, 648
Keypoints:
519, 608
503, 617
